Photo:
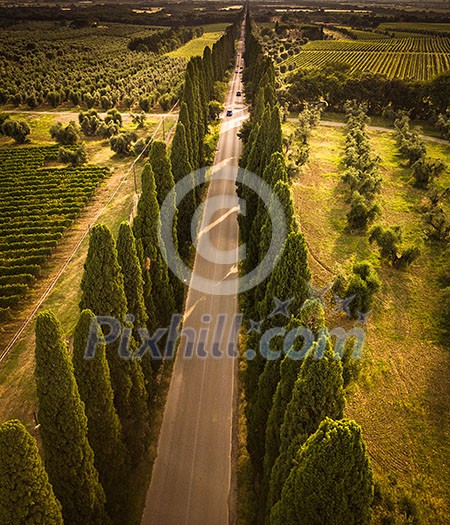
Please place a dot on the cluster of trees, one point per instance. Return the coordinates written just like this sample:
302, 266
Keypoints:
336, 85
390, 243
92, 68
297, 454
361, 175
94, 414
425, 171
443, 124
424, 168
189, 152
297, 145
165, 41
68, 136
362, 282
17, 129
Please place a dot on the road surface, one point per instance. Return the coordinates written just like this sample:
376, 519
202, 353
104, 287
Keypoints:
192, 481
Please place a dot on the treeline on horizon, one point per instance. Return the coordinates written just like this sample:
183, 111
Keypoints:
79, 16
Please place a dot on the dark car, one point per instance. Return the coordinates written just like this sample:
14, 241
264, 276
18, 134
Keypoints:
229, 112
238, 94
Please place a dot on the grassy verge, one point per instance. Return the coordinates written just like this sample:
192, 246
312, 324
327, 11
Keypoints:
401, 398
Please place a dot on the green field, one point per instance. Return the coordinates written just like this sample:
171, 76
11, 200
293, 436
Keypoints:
196, 46
401, 395
415, 27
407, 58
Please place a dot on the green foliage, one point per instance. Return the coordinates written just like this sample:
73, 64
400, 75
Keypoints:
361, 213
16, 129
102, 284
113, 115
103, 292
181, 167
65, 135
132, 274
134, 291
69, 459
426, 170
331, 481
318, 393
26, 495
312, 318
104, 428
290, 276
74, 156
362, 282
389, 241
122, 144
146, 225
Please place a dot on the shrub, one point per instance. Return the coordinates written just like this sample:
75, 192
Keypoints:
67, 135
16, 129
74, 156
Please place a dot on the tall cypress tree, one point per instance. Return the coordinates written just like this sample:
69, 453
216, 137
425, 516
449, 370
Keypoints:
26, 495
184, 118
104, 428
103, 293
290, 276
311, 317
134, 291
69, 459
146, 225
182, 168
132, 274
331, 481
318, 392
162, 170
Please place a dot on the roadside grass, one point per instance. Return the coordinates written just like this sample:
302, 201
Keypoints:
401, 396
196, 46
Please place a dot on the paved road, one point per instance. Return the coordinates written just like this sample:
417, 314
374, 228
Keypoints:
192, 481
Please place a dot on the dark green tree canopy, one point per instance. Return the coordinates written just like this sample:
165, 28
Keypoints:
69, 459
26, 495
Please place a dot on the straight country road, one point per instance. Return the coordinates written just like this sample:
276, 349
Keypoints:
192, 480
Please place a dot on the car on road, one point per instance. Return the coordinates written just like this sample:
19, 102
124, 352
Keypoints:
229, 112
238, 94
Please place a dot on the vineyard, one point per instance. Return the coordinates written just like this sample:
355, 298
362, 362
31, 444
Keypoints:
407, 58
196, 46
37, 205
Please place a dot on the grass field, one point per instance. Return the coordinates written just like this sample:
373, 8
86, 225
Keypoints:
401, 397
196, 46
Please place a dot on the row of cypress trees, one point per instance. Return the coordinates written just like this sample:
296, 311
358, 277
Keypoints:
310, 465
94, 414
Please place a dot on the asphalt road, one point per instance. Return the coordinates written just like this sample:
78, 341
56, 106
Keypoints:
192, 481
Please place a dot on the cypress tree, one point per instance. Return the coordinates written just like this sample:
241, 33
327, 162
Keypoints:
103, 293
134, 291
311, 317
102, 283
146, 225
209, 72
183, 118
26, 495
290, 276
104, 428
318, 392
69, 459
331, 481
132, 274
162, 170
181, 168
